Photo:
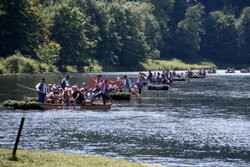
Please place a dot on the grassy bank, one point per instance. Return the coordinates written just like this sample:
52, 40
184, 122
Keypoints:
48, 159
174, 64
17, 64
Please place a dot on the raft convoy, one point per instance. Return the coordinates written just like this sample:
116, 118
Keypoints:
66, 97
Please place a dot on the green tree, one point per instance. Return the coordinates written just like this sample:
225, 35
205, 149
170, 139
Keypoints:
48, 52
243, 27
69, 30
23, 27
189, 33
220, 41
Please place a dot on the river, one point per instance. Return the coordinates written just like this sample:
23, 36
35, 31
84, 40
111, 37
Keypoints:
203, 122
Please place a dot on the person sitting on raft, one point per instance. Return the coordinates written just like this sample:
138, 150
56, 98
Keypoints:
91, 96
112, 86
83, 93
66, 97
65, 82
84, 87
42, 90
59, 96
134, 89
50, 95
119, 83
78, 97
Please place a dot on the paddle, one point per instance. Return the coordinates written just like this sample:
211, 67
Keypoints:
26, 87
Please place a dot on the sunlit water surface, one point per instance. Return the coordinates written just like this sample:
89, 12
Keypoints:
204, 122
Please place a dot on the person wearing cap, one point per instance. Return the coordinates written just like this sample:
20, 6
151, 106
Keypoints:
127, 83
65, 82
42, 90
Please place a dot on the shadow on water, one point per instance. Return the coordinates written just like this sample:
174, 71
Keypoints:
201, 123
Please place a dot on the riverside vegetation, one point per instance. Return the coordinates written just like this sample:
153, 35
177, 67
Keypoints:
47, 159
122, 35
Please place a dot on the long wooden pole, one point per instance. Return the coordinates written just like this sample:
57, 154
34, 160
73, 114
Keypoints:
18, 137
104, 92
26, 87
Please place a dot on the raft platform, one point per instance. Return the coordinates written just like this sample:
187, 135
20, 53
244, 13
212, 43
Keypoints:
180, 79
158, 87
197, 76
15, 104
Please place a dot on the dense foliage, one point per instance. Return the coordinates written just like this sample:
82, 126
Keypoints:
124, 33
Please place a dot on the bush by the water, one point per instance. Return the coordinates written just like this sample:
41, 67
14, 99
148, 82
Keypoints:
1, 66
18, 63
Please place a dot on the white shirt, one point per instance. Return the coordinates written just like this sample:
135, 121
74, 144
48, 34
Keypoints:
44, 87
50, 94
91, 96
66, 82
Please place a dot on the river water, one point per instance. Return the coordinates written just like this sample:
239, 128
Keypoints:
204, 122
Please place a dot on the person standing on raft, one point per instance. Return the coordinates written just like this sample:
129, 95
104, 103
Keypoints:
42, 90
65, 82
103, 92
127, 83
139, 84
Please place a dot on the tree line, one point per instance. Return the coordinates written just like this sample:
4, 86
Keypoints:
123, 33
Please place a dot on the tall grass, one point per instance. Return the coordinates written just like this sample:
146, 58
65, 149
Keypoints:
48, 159
174, 64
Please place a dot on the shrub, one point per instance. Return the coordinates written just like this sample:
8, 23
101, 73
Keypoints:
96, 67
17, 63
1, 67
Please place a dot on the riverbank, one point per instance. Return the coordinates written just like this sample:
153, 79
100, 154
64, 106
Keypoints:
47, 159
18, 64
176, 64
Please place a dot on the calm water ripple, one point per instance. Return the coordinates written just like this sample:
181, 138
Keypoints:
204, 122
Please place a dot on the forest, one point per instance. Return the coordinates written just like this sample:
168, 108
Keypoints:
51, 35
